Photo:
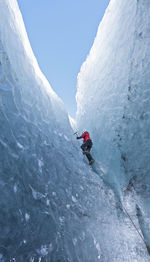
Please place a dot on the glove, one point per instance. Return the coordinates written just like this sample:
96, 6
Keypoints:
77, 137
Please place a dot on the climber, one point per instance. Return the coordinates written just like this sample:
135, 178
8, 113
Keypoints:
86, 146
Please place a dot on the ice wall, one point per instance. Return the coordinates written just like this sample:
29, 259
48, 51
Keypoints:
113, 89
113, 99
41, 218
47, 203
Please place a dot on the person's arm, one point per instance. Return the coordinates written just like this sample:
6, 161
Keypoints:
79, 137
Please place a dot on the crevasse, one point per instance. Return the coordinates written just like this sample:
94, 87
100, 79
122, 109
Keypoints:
53, 206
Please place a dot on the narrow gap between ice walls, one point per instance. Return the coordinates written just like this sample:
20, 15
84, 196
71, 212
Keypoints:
54, 206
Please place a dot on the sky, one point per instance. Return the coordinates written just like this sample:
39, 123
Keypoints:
61, 34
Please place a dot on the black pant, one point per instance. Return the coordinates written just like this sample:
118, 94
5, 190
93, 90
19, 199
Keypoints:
87, 147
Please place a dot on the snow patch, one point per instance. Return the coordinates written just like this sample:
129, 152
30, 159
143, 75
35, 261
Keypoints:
27, 217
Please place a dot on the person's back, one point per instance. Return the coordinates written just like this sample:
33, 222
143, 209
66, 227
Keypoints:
85, 136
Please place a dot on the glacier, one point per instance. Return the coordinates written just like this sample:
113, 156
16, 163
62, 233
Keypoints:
54, 208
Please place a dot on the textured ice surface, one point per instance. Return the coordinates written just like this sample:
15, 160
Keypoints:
113, 102
53, 207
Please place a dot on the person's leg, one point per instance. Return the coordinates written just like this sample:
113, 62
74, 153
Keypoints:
83, 147
89, 157
88, 148
89, 145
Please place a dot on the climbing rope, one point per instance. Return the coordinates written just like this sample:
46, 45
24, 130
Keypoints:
148, 248
134, 226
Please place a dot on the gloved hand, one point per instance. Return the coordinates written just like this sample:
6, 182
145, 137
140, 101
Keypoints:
77, 137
